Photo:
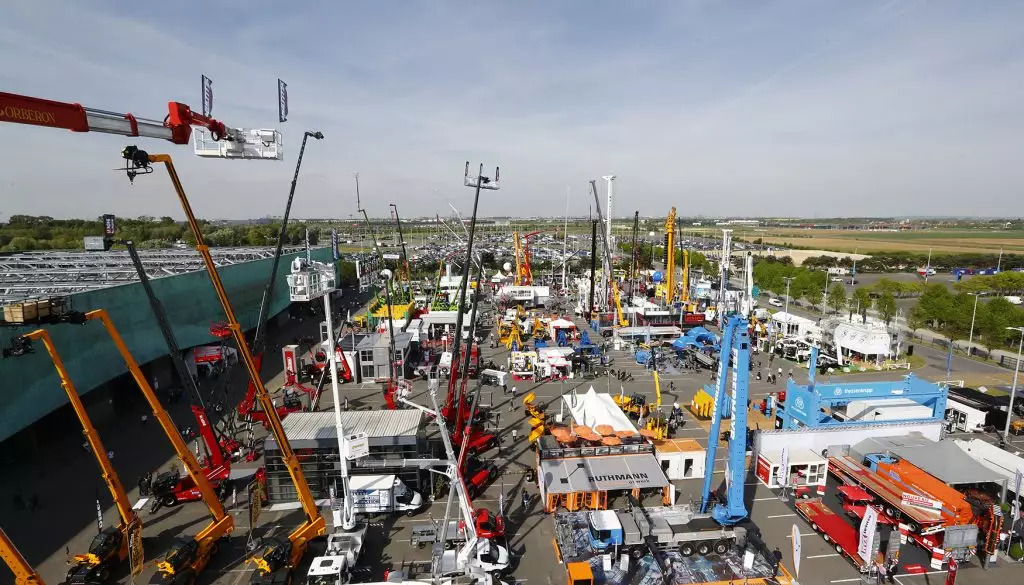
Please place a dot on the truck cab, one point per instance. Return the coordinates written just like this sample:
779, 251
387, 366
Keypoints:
105, 550
487, 556
605, 529
332, 570
383, 494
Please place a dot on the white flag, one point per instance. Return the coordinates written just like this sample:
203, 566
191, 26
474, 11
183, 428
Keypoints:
868, 525
784, 467
207, 96
797, 547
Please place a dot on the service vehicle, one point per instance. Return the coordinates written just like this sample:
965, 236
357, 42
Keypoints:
384, 494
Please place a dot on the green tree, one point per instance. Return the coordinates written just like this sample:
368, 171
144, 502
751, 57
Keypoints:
934, 306
886, 305
992, 321
864, 299
814, 295
836, 296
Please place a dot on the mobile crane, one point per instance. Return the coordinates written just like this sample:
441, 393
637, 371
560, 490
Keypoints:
24, 574
187, 556
277, 558
522, 266
111, 546
405, 272
735, 345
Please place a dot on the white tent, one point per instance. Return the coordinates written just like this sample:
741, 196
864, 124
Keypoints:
557, 324
593, 409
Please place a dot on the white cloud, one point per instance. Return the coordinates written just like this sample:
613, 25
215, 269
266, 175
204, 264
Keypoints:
810, 108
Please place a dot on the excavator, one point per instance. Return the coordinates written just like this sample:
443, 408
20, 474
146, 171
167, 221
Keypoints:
187, 556
275, 558
111, 546
24, 574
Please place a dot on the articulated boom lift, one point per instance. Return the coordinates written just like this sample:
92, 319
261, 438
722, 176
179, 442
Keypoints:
24, 574
279, 556
735, 344
186, 557
213, 138
111, 546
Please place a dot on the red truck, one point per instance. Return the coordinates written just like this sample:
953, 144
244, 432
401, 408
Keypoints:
833, 528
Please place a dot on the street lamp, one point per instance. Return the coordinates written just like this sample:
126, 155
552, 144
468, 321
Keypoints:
974, 314
789, 280
1013, 389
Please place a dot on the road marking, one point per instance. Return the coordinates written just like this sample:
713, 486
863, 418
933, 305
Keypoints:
766, 499
823, 556
802, 534
781, 515
845, 580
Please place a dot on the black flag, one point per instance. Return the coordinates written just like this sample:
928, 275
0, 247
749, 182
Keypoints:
207, 96
282, 101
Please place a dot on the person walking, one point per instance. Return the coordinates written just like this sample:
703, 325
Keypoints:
880, 573
891, 567
515, 435
526, 501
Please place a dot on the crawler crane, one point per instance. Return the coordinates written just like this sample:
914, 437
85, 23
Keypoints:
111, 546
277, 557
187, 557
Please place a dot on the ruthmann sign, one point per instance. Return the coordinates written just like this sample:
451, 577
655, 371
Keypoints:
630, 477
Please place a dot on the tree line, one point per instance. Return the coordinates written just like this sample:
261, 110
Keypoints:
27, 232
952, 315
910, 261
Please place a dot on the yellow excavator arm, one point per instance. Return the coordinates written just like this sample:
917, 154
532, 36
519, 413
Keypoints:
670, 257
223, 523
24, 574
314, 524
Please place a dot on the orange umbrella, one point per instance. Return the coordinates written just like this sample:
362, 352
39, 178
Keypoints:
583, 430
610, 441
625, 434
605, 430
564, 438
560, 432
591, 436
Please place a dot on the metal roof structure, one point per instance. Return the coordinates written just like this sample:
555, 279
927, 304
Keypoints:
43, 273
943, 459
382, 427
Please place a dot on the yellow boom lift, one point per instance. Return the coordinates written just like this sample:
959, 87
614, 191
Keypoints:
113, 544
276, 557
187, 556
622, 322
24, 574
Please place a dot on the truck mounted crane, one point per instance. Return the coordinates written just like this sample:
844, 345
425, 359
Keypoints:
606, 261
24, 574
112, 545
187, 556
277, 558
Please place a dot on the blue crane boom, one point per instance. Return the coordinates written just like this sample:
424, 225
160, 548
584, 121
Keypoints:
735, 345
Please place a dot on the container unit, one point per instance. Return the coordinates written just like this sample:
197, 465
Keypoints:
680, 458
807, 474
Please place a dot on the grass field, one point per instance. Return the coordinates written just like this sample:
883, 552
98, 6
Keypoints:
921, 241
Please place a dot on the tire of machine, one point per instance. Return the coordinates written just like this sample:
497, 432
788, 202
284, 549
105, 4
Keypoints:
687, 549
721, 547
703, 548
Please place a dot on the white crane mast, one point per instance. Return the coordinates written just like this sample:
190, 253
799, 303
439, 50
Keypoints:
724, 275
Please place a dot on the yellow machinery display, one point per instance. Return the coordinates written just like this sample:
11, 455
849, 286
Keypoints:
670, 257
622, 322
187, 557
537, 416
656, 421
24, 574
104, 553
277, 556
522, 268
702, 404
514, 339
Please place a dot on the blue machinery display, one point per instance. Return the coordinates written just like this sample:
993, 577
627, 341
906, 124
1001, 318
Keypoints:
805, 406
735, 345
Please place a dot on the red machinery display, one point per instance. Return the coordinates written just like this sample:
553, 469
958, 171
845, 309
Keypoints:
171, 488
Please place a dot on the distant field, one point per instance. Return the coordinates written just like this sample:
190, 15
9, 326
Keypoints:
920, 241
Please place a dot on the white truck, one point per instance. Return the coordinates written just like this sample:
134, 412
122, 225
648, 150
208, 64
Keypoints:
487, 556
383, 494
335, 566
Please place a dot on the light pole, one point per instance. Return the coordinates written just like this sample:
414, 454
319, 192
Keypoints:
974, 314
789, 280
1013, 388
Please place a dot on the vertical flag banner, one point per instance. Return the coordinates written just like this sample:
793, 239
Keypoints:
868, 525
282, 101
207, 96
334, 245
784, 467
797, 547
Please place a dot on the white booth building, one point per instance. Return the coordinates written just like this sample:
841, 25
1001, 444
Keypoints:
681, 458
790, 325
858, 340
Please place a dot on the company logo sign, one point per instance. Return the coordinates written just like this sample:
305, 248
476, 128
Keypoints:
28, 115
799, 404
840, 391
625, 477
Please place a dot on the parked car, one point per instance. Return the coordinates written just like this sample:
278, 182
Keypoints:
775, 302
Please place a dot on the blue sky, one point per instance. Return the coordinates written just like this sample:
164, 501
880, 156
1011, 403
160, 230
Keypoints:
807, 108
